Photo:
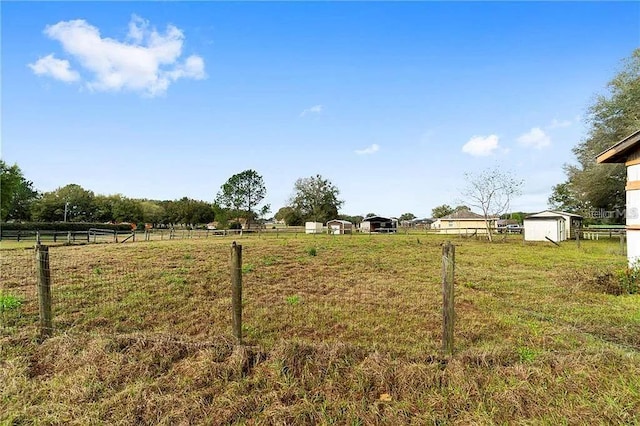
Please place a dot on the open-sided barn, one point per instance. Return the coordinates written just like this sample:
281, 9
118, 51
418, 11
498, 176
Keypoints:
378, 224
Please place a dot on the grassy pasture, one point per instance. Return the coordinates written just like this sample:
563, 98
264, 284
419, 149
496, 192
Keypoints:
339, 330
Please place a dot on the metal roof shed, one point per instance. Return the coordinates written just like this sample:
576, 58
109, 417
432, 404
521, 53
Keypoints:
543, 227
338, 226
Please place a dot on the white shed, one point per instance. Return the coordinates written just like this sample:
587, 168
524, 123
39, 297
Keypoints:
539, 228
313, 227
627, 151
572, 222
338, 226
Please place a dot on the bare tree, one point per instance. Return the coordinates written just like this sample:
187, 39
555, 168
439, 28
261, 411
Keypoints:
491, 191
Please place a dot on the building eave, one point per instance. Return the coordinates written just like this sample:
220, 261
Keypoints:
619, 152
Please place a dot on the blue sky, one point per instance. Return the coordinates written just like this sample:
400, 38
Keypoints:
392, 102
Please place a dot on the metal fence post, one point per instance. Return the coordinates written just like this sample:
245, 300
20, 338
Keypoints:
236, 289
44, 291
448, 314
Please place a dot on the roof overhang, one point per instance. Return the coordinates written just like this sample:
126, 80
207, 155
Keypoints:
544, 218
619, 152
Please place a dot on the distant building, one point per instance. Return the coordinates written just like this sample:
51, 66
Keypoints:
338, 226
313, 227
379, 224
555, 225
463, 222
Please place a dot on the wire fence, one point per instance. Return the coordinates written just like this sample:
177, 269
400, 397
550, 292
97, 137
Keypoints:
297, 287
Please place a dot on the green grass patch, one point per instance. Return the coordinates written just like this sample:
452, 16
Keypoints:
9, 302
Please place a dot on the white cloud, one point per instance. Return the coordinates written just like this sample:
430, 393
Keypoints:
148, 62
59, 69
555, 124
368, 150
481, 146
535, 138
316, 109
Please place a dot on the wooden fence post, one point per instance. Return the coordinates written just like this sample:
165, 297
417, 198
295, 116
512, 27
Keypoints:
448, 314
236, 289
622, 243
44, 291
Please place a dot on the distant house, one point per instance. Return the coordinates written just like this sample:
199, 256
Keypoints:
338, 226
555, 225
379, 224
463, 222
313, 227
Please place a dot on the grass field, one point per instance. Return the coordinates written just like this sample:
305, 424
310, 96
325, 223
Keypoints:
339, 330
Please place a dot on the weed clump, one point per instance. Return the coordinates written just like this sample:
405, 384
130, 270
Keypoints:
629, 280
625, 281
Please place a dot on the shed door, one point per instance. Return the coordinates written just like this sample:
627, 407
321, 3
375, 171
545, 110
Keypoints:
335, 229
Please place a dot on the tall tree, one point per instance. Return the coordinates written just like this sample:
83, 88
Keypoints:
613, 115
290, 216
441, 211
491, 191
316, 199
126, 209
242, 193
16, 193
72, 198
406, 216
152, 212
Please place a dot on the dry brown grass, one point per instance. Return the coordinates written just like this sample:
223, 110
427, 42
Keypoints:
348, 336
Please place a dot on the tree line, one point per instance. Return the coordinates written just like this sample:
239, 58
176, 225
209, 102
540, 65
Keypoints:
239, 200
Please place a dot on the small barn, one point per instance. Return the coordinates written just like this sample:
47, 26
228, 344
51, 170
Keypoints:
313, 227
556, 225
627, 151
378, 224
337, 227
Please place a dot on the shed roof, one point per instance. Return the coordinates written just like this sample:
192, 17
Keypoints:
376, 219
344, 222
619, 152
551, 213
464, 215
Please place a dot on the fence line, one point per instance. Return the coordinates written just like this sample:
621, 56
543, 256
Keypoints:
187, 293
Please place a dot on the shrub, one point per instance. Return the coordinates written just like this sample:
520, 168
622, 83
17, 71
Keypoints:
629, 280
625, 281
312, 251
